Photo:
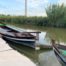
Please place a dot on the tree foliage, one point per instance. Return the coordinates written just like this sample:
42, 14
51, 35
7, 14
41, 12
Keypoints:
56, 15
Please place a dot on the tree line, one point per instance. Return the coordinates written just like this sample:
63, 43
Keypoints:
56, 17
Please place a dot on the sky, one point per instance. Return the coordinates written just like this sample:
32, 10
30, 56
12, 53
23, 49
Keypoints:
34, 7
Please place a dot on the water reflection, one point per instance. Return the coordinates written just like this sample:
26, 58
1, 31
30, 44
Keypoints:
43, 37
27, 51
48, 59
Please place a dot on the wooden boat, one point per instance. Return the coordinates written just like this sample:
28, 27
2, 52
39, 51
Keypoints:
24, 38
60, 52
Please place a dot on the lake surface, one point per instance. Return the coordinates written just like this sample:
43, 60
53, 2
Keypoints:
43, 57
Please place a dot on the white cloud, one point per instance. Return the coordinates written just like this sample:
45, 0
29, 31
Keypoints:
37, 14
37, 7
62, 2
37, 3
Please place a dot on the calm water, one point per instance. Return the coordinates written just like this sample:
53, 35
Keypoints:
43, 57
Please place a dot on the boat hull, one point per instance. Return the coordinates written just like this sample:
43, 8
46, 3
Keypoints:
60, 59
19, 37
59, 55
58, 50
25, 42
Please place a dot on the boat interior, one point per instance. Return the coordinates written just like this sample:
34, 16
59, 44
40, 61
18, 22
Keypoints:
13, 33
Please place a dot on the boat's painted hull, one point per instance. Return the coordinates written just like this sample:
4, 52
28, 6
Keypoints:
60, 58
26, 42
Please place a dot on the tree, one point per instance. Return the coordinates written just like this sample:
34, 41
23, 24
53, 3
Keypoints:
56, 14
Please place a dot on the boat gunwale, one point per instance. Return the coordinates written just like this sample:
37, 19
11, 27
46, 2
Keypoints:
58, 52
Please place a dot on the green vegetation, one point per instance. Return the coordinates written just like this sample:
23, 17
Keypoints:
56, 17
22, 20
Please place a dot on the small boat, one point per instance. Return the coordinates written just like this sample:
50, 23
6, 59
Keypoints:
24, 38
60, 52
